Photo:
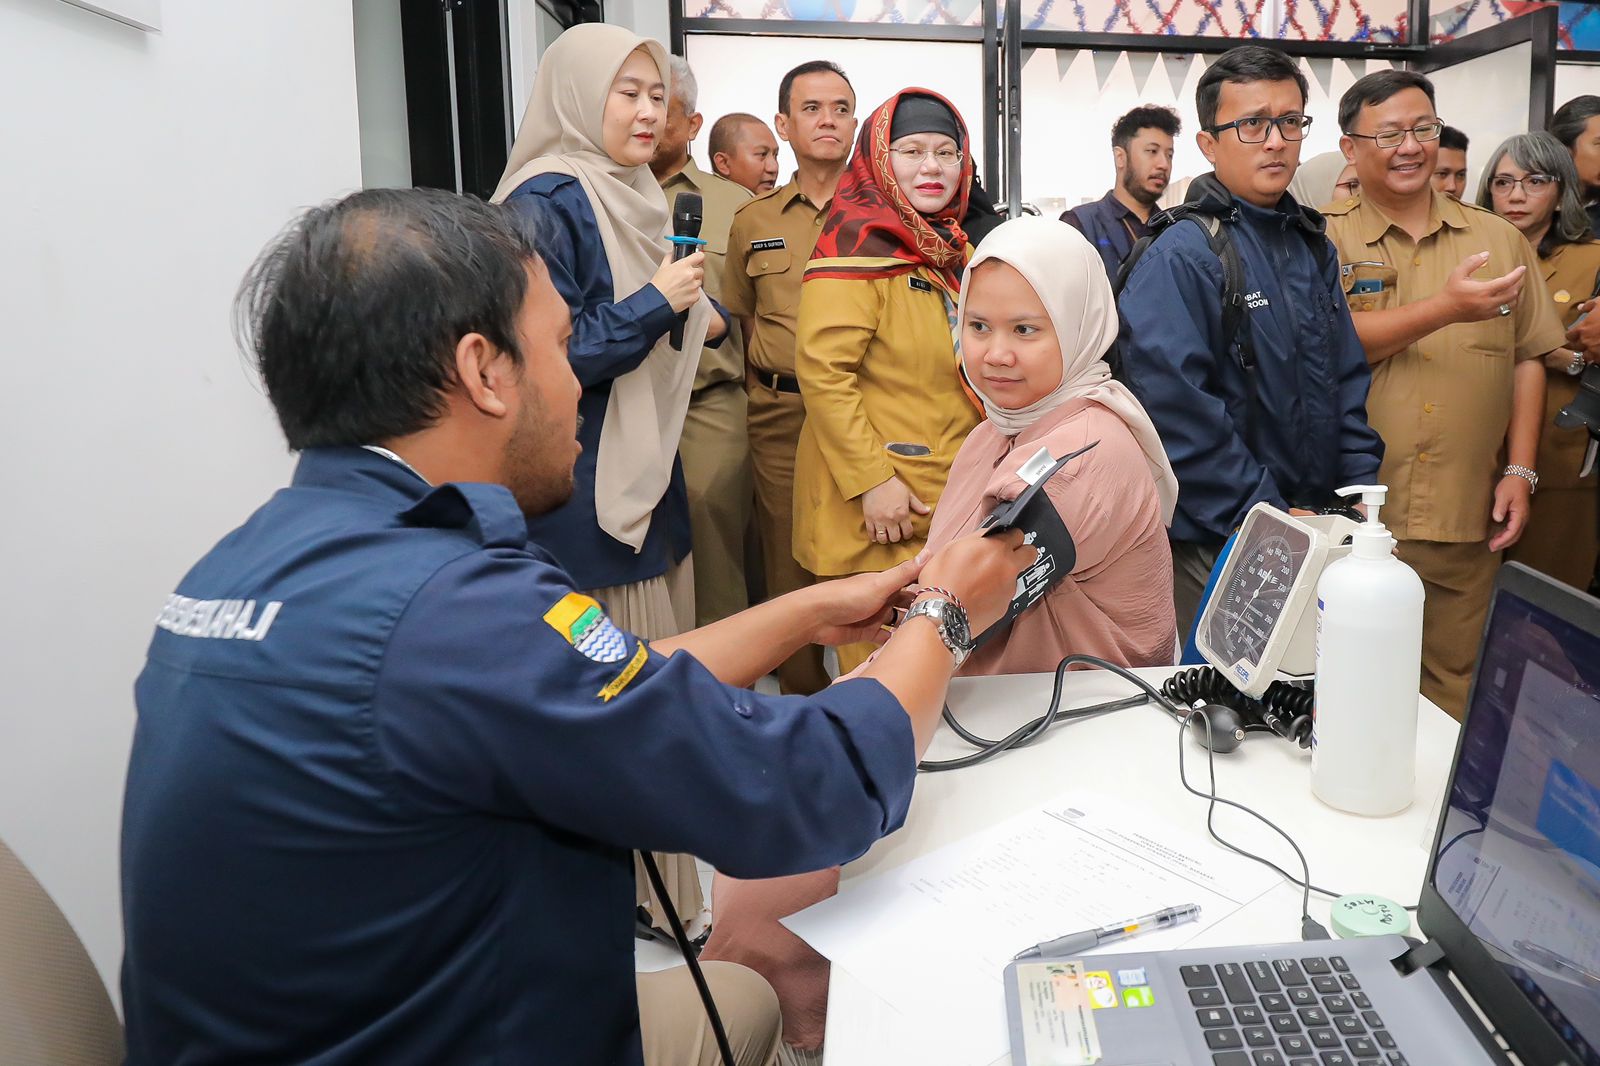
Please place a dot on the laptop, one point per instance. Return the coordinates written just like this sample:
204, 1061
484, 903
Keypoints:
1510, 902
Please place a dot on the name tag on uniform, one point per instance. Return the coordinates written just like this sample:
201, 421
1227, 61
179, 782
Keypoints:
1366, 286
920, 284
770, 244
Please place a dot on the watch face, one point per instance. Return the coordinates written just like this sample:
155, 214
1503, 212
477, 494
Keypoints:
1249, 601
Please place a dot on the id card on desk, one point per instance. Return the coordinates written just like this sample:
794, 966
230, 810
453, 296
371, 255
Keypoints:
1054, 1014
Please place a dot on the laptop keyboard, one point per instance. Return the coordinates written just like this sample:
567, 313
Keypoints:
1288, 1012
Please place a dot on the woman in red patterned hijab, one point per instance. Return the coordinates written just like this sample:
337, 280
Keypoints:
886, 410
896, 209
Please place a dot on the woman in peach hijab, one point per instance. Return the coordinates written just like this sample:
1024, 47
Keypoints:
1035, 322
1035, 319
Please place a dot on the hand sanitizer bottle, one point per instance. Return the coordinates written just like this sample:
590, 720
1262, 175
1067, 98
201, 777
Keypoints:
1369, 667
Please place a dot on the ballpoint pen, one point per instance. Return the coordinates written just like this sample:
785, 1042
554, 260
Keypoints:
1105, 934
1543, 956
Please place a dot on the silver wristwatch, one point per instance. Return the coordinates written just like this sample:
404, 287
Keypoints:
1525, 474
1576, 366
952, 623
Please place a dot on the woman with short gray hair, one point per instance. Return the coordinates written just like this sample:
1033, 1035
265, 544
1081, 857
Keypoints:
1531, 181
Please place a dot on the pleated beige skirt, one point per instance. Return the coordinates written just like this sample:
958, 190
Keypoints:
654, 608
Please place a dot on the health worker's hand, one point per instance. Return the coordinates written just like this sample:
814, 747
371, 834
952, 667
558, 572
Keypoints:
856, 608
983, 572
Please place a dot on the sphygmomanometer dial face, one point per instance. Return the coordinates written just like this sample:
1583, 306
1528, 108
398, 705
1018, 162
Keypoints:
1260, 575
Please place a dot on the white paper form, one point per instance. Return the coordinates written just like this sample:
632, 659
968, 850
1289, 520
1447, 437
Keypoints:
933, 937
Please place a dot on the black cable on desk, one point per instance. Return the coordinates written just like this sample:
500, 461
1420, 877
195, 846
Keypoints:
1023, 735
1026, 734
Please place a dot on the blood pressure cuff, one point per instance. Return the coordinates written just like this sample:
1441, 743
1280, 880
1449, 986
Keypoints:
1035, 514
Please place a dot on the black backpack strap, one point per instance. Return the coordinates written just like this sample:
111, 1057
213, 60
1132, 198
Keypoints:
1235, 322
1235, 326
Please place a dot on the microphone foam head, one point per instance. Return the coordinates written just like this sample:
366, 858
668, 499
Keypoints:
687, 211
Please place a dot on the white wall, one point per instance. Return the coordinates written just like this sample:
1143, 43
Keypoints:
530, 29
1487, 99
381, 95
142, 173
1576, 79
1070, 99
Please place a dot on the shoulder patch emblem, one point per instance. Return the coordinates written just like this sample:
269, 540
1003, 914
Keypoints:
629, 672
582, 623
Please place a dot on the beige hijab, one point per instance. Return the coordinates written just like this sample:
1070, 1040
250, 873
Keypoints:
1312, 184
1070, 280
562, 134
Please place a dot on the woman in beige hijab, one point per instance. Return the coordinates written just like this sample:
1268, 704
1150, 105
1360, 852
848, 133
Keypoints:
579, 170
1314, 183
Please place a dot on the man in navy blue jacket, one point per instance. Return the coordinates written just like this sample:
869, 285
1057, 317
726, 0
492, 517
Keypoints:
390, 763
1293, 428
1141, 151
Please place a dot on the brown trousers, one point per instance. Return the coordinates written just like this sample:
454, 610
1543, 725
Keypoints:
774, 424
716, 469
1560, 539
1191, 569
676, 1031
1457, 582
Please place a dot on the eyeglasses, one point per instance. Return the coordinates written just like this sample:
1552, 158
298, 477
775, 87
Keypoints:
1349, 188
1428, 131
945, 157
1257, 128
1502, 183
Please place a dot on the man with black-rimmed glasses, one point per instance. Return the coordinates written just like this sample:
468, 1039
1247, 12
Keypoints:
1276, 411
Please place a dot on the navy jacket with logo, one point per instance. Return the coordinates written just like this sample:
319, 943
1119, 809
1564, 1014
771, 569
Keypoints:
388, 768
1291, 431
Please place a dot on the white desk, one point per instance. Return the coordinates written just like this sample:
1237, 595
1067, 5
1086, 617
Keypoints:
1136, 749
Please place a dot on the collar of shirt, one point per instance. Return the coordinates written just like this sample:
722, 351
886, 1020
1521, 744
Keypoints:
788, 194
1116, 206
387, 454
489, 513
690, 175
1372, 223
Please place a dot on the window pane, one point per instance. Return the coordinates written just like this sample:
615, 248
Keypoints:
1578, 24
885, 12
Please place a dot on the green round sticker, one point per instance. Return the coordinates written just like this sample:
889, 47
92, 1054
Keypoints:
1367, 915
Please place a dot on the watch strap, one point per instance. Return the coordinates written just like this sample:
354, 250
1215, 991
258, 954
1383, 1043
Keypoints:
951, 620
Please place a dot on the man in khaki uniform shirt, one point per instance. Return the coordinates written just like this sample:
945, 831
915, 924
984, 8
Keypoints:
1457, 377
714, 447
771, 242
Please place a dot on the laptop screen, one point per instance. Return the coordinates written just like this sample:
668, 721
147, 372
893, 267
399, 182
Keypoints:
1519, 856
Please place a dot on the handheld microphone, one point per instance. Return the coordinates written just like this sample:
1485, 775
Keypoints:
686, 218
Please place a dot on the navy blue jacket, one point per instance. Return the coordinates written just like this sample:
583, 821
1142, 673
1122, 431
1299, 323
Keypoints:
1110, 226
1288, 433
387, 771
609, 338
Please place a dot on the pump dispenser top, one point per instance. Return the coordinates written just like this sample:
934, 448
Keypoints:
1369, 666
1371, 539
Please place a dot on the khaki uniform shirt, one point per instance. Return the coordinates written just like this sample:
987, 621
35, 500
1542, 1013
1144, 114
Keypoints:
1443, 404
771, 243
720, 199
883, 396
1570, 274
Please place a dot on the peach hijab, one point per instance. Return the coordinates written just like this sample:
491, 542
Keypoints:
1070, 280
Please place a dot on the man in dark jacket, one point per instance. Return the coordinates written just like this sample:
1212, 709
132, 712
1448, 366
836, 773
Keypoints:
1292, 427
1141, 149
